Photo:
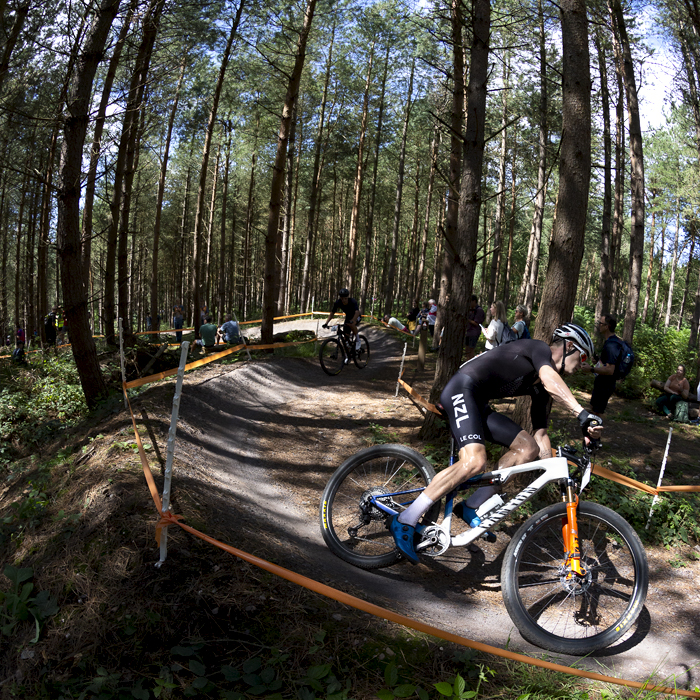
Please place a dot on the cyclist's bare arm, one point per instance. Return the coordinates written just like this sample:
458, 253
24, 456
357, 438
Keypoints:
556, 387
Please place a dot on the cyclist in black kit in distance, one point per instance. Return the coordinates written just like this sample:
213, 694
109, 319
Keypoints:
351, 309
519, 368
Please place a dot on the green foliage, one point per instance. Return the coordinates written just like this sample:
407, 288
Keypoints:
674, 517
37, 402
18, 604
658, 355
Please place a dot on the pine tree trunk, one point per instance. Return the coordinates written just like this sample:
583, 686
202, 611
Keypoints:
527, 293
357, 187
692, 234
674, 263
159, 203
369, 226
96, 146
605, 272
420, 274
636, 177
456, 155
196, 283
68, 223
271, 274
501, 193
305, 293
389, 289
465, 244
566, 247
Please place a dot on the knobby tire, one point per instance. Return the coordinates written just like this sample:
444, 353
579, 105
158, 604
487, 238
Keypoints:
575, 618
354, 529
331, 356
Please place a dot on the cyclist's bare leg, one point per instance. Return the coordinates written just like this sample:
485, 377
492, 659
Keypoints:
522, 450
472, 459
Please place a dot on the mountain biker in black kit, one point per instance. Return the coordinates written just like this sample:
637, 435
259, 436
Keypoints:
519, 368
351, 309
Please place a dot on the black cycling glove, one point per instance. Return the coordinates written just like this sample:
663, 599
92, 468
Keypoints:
588, 420
325, 325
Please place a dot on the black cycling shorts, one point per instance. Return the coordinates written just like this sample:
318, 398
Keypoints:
471, 418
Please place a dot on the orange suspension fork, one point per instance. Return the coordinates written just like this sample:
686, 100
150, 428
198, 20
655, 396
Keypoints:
569, 532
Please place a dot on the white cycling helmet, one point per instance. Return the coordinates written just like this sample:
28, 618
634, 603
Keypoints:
577, 335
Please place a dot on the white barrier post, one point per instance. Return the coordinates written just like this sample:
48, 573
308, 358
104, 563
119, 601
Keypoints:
121, 359
403, 357
235, 318
661, 476
171, 449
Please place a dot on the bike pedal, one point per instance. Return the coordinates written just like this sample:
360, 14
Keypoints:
489, 537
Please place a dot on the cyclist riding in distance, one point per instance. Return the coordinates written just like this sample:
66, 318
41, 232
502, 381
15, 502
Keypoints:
351, 309
522, 367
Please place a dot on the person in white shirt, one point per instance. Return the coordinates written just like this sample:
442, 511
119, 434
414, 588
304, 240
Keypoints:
494, 332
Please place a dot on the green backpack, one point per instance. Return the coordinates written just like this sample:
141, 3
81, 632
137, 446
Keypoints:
681, 413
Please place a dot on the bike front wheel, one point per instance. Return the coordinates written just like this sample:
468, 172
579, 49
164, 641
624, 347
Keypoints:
352, 526
362, 355
575, 616
332, 356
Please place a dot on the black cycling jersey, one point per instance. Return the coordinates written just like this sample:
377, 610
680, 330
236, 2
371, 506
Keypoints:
348, 309
508, 370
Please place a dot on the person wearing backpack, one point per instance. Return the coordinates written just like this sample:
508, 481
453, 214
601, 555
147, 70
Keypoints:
606, 369
499, 320
520, 326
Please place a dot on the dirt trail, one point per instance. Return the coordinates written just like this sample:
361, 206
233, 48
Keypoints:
267, 436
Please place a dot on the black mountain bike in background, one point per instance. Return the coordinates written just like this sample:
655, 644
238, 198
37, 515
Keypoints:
337, 351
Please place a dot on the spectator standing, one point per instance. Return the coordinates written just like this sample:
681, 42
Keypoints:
178, 320
606, 367
20, 336
676, 389
494, 332
50, 327
520, 326
432, 316
475, 317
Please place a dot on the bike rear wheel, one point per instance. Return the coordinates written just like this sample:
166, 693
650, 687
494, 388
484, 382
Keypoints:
353, 528
362, 355
332, 356
575, 616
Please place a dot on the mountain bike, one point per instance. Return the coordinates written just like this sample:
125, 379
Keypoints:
574, 576
336, 352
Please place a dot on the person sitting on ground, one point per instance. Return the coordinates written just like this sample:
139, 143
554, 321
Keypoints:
208, 332
676, 389
521, 368
520, 326
412, 316
494, 332
351, 309
230, 332
395, 323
